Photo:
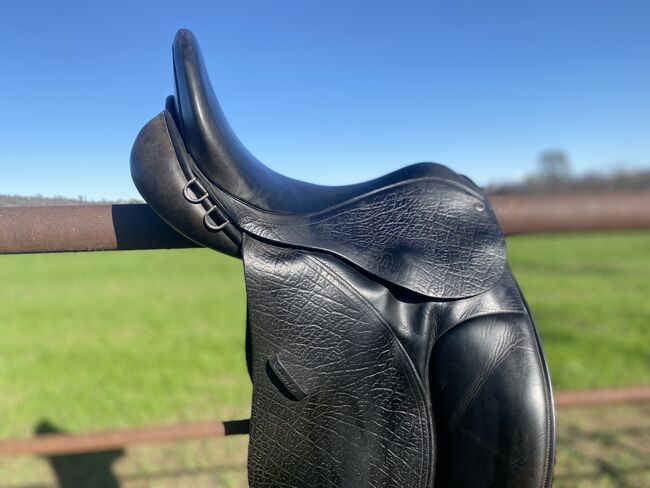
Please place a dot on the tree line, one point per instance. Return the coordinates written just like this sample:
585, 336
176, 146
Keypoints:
554, 175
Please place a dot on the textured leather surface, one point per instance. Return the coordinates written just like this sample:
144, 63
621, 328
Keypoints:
478, 361
366, 418
389, 344
429, 235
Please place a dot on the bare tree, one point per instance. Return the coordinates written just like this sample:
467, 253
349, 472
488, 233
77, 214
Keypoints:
554, 167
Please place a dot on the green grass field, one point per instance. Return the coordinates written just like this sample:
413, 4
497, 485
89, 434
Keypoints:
106, 340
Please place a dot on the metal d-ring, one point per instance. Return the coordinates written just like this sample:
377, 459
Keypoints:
209, 222
194, 199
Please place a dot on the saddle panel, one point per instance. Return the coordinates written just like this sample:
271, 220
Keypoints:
362, 416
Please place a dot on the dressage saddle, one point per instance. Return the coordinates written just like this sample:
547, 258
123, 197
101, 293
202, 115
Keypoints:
387, 341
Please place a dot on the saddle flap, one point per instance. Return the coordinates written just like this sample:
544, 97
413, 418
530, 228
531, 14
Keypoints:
433, 236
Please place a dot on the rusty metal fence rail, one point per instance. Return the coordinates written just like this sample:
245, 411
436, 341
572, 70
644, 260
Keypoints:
58, 444
136, 227
130, 227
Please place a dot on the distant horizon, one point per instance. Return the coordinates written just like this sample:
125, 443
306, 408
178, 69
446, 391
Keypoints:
604, 174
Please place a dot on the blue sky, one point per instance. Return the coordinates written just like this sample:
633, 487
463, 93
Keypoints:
328, 91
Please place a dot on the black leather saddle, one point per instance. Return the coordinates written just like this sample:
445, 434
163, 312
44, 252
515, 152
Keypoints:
388, 342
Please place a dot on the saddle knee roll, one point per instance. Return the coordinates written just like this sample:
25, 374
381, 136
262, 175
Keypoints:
494, 408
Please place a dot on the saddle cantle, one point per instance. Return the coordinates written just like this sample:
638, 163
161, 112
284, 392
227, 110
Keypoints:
389, 344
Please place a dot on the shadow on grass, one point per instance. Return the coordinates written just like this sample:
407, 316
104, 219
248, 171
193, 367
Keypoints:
92, 470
